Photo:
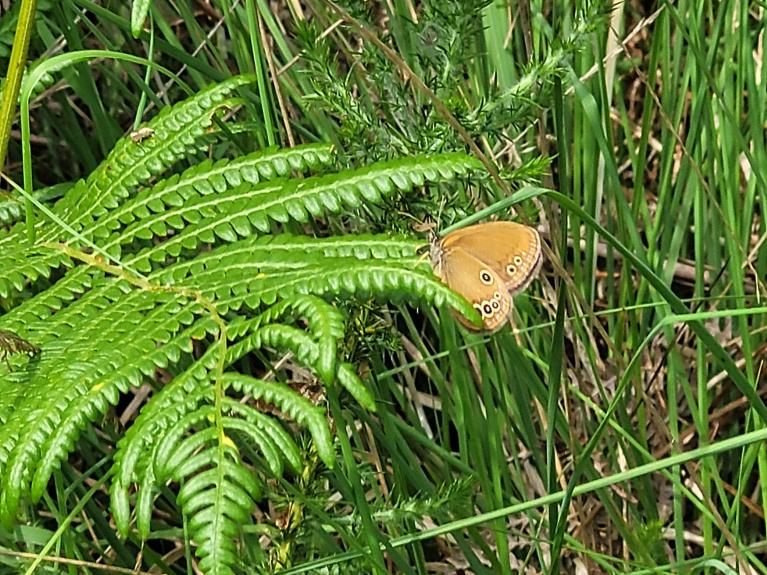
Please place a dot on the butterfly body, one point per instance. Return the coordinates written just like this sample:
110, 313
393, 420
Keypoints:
487, 264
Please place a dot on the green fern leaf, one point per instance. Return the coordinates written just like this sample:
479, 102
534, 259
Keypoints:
324, 322
100, 334
128, 166
293, 404
213, 500
104, 392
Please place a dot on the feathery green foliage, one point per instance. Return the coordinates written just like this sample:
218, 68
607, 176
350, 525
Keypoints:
196, 259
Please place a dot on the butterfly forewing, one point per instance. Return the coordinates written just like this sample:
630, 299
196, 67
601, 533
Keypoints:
512, 250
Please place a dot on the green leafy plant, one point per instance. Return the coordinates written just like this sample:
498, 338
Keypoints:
178, 279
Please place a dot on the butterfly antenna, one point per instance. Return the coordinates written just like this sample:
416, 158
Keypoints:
439, 213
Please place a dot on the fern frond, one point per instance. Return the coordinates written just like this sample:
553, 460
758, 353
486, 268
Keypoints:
84, 409
333, 193
177, 448
12, 208
256, 272
285, 250
152, 425
54, 298
178, 131
191, 389
217, 492
21, 264
113, 348
249, 209
257, 422
210, 271
308, 353
325, 325
215, 502
201, 220
207, 178
129, 165
183, 395
341, 277
300, 409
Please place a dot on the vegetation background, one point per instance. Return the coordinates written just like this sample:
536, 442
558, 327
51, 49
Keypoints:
616, 427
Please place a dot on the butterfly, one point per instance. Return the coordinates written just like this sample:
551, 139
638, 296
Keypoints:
488, 264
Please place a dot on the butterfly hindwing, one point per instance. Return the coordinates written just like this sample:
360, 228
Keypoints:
479, 284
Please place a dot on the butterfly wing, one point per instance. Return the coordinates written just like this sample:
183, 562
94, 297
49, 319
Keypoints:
478, 283
511, 250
